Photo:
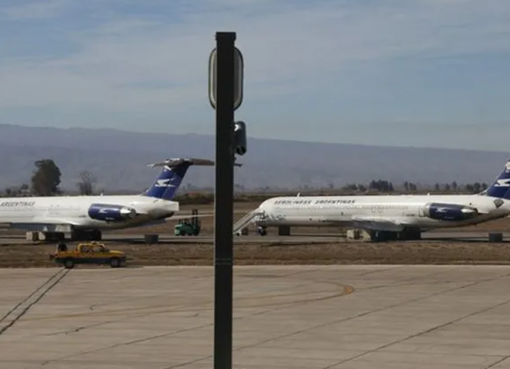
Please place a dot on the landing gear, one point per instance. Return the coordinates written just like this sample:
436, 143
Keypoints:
86, 235
410, 234
379, 236
55, 236
405, 235
261, 230
46, 236
96, 235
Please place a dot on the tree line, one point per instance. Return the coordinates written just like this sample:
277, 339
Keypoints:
387, 186
46, 180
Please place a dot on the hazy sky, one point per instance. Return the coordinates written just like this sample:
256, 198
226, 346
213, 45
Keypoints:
389, 72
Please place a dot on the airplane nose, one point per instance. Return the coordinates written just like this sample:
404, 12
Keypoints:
262, 207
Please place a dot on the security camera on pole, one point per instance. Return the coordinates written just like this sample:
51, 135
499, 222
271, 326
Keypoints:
240, 143
226, 72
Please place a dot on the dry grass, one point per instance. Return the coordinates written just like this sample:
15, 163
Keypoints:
339, 253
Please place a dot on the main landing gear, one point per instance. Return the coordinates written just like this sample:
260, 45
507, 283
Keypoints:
405, 235
261, 230
86, 235
76, 235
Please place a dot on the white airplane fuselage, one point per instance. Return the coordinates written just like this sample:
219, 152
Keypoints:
125, 211
85, 217
391, 213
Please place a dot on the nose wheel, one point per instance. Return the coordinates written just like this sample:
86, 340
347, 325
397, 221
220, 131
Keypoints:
262, 231
86, 235
96, 235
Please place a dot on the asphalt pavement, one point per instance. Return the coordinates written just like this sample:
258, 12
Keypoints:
313, 317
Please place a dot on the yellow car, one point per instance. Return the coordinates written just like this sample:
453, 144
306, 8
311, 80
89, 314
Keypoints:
88, 253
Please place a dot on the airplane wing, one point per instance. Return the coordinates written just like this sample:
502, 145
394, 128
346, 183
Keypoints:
64, 225
42, 225
177, 217
375, 223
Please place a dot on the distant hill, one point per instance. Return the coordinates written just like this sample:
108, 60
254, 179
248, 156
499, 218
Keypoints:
119, 158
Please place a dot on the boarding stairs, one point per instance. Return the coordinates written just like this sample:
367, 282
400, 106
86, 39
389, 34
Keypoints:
247, 219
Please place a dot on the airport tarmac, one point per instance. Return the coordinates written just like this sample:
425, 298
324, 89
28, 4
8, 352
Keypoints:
298, 238
334, 317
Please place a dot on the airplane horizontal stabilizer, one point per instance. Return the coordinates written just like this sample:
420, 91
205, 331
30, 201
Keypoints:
179, 217
175, 162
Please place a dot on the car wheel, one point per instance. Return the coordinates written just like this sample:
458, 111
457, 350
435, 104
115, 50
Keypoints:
69, 264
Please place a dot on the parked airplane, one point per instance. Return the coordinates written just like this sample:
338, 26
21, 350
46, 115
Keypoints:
86, 216
385, 217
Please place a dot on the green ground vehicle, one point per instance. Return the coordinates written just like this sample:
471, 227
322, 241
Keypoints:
188, 227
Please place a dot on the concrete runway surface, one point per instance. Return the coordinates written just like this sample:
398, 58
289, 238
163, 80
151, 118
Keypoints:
334, 317
301, 238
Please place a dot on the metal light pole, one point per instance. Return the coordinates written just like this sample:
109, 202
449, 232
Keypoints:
225, 96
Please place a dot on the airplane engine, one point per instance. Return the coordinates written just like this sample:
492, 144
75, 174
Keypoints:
111, 213
449, 212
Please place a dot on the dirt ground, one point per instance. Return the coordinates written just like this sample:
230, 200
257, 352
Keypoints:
320, 254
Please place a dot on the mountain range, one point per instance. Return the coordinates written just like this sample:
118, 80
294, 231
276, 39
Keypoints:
118, 159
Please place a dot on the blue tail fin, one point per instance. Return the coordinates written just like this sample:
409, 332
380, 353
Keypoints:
169, 180
500, 188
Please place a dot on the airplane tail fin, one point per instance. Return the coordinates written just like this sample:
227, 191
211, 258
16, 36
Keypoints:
169, 180
500, 188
